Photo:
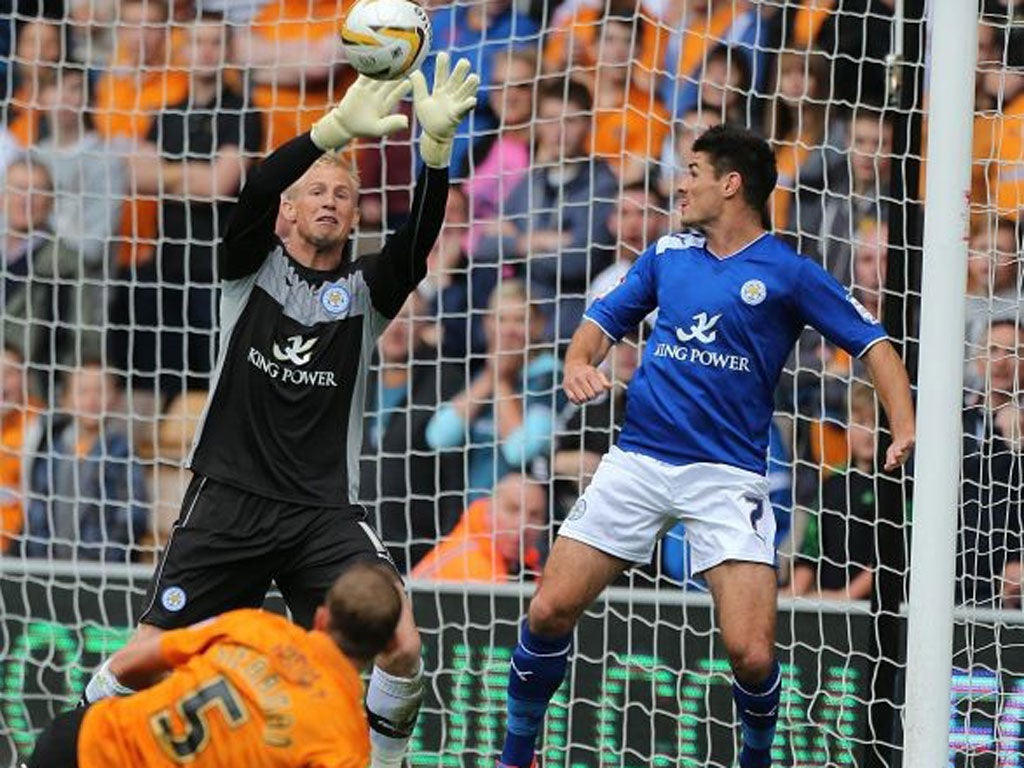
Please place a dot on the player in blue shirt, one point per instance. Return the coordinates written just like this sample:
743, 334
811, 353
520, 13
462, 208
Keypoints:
731, 303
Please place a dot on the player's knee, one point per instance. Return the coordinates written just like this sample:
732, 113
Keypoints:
550, 618
752, 661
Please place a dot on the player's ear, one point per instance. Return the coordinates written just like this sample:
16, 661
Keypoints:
288, 209
733, 184
320, 619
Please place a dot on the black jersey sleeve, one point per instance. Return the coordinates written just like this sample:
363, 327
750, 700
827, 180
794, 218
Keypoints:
251, 227
393, 273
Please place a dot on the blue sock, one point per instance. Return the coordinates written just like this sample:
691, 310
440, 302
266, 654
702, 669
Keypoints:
538, 669
758, 707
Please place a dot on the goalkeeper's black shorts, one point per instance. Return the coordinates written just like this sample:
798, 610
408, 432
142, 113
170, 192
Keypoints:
228, 545
57, 745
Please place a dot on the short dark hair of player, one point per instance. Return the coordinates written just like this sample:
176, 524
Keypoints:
567, 90
737, 150
363, 607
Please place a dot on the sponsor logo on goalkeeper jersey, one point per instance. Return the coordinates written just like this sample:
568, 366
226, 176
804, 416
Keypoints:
702, 330
298, 352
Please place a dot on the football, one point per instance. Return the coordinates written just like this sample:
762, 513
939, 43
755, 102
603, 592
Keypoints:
386, 39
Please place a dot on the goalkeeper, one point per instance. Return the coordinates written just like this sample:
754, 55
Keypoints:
275, 459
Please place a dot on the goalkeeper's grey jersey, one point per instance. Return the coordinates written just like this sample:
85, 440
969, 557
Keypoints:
284, 417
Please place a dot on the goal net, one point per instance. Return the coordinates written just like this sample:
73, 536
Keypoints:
128, 128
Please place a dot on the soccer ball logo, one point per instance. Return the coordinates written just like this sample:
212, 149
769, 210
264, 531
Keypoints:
386, 39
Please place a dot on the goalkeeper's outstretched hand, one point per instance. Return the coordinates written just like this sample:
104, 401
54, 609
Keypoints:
441, 111
363, 112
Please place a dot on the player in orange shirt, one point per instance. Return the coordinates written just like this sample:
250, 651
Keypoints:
248, 688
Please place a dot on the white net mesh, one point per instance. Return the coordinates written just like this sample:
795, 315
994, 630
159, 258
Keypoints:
128, 128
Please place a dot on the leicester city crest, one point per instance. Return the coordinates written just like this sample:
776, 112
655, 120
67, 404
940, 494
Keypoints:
335, 298
753, 292
173, 599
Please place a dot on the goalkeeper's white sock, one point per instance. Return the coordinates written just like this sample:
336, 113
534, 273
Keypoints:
103, 685
392, 706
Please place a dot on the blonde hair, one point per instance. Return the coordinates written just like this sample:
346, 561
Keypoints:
508, 292
344, 160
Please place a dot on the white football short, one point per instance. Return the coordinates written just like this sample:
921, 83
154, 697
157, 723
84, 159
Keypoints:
634, 499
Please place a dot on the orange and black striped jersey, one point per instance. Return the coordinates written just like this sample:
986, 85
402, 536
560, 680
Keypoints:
250, 689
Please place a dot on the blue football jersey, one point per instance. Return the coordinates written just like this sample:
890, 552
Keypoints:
725, 327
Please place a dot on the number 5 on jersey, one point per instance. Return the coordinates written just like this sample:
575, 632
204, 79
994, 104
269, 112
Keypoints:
194, 711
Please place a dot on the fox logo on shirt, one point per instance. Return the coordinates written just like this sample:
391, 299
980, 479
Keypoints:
703, 330
298, 350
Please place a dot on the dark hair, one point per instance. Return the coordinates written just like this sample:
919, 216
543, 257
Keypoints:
567, 90
363, 608
737, 150
735, 60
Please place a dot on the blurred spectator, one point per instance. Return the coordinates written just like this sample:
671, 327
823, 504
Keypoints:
555, 223
675, 151
38, 53
870, 261
194, 160
573, 40
478, 31
448, 288
18, 420
999, 376
640, 219
856, 35
836, 560
87, 494
993, 283
991, 523
386, 178
796, 123
291, 51
725, 86
844, 186
141, 80
92, 31
496, 538
630, 123
89, 179
505, 414
691, 29
53, 302
589, 432
501, 158
399, 472
999, 135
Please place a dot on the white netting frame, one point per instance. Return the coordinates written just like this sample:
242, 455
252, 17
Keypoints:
812, 464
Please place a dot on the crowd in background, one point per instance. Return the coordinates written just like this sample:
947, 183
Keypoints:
127, 129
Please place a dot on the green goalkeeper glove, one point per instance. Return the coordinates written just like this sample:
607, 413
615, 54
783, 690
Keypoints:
363, 112
440, 112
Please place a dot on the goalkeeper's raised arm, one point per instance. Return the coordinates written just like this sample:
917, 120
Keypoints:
364, 112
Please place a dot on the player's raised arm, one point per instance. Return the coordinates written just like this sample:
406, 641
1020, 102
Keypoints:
403, 261
890, 378
364, 112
